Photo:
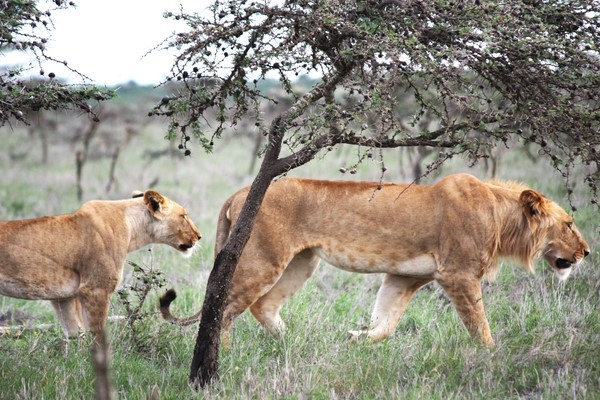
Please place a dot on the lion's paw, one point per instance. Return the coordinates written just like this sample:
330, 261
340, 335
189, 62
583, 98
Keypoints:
355, 336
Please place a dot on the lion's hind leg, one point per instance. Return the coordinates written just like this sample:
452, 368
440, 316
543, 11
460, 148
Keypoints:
69, 313
394, 295
266, 308
255, 276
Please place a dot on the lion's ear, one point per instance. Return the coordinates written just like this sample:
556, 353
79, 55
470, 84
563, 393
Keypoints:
136, 194
155, 202
533, 203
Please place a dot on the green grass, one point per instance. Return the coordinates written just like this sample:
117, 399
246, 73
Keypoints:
547, 332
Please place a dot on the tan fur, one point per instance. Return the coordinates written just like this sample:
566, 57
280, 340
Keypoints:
453, 232
76, 260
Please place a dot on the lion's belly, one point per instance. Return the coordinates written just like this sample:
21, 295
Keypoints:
43, 289
26, 274
420, 266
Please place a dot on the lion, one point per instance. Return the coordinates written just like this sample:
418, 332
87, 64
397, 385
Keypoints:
452, 232
76, 260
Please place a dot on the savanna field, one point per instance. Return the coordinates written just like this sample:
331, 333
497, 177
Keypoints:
547, 332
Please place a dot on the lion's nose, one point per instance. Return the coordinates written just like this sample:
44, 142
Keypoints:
586, 253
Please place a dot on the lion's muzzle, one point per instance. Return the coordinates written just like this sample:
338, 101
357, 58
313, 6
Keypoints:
187, 244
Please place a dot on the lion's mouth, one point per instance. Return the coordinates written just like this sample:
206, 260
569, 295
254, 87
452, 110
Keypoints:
561, 263
184, 247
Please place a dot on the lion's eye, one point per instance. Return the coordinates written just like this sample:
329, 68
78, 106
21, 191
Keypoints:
570, 224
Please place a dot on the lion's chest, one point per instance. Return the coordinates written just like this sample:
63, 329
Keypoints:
368, 261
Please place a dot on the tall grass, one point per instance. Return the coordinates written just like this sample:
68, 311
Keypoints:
547, 332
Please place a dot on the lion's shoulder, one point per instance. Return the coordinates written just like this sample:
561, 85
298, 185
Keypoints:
93, 211
104, 208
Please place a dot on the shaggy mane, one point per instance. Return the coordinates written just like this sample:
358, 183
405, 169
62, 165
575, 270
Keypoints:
510, 185
518, 236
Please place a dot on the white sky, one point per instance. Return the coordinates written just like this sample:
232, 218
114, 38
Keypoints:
107, 40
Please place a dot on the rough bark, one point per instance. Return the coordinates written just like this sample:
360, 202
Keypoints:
205, 362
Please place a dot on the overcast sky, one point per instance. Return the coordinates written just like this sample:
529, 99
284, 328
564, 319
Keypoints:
106, 40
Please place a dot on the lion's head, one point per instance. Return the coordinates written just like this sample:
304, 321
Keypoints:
560, 242
172, 224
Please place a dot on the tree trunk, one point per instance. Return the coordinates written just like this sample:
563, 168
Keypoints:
205, 363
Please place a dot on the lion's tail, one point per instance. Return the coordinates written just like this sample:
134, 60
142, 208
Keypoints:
223, 225
223, 228
165, 302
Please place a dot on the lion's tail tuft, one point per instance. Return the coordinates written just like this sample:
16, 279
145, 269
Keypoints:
165, 303
167, 298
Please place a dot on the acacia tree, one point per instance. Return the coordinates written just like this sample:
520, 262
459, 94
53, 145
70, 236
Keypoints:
491, 73
26, 27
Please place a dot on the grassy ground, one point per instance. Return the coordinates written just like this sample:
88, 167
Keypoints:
547, 332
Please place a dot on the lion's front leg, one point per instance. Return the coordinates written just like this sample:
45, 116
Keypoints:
394, 295
465, 294
69, 313
95, 302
